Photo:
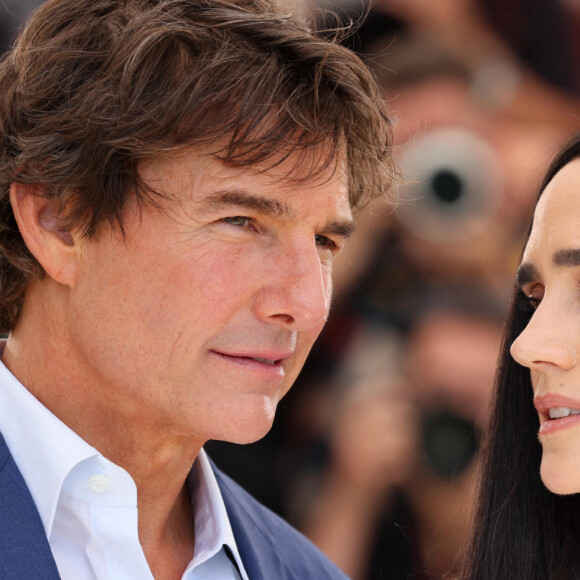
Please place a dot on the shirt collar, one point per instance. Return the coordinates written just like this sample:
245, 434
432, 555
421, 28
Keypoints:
43, 447
46, 451
212, 525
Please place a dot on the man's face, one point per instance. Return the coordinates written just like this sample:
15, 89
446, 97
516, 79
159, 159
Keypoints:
198, 321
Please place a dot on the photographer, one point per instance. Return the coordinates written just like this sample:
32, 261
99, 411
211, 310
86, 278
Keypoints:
396, 495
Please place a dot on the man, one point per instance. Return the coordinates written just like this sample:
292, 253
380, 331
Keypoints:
177, 177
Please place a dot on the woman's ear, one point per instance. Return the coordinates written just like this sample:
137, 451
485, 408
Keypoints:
41, 228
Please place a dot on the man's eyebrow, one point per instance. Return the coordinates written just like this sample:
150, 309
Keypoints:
526, 273
245, 199
342, 228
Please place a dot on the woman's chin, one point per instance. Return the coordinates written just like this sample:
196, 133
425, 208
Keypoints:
559, 480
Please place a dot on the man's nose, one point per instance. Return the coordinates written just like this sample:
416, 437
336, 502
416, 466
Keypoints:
296, 290
547, 341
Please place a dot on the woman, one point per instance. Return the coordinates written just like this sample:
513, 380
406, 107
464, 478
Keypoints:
528, 522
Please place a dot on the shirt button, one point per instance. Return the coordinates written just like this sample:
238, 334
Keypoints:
99, 483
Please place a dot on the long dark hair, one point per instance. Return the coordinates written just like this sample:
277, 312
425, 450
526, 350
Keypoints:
522, 531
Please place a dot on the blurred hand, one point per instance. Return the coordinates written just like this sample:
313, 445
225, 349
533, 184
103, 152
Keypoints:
375, 440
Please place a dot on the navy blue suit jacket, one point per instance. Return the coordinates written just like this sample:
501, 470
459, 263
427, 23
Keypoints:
269, 547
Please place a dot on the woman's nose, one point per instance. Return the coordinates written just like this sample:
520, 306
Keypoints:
549, 339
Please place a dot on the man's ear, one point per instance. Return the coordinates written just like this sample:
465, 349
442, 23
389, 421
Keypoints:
41, 228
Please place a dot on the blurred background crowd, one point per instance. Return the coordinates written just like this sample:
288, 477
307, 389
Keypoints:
372, 452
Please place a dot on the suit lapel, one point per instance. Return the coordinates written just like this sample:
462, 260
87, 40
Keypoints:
268, 546
255, 550
24, 549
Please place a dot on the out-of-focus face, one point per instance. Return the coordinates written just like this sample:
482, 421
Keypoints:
200, 318
550, 345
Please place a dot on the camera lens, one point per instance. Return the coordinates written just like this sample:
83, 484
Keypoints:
447, 186
449, 443
455, 182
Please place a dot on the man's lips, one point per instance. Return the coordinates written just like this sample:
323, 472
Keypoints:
556, 412
270, 361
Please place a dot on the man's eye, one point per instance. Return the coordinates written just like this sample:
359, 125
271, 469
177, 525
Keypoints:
239, 221
325, 242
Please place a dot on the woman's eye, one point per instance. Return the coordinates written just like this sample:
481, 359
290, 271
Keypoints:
535, 296
528, 302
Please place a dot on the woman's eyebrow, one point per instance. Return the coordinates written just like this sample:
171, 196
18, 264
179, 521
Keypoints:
567, 257
526, 273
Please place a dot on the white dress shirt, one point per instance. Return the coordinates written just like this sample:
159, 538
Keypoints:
88, 505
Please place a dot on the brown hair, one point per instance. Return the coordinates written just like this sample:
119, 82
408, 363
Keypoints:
93, 87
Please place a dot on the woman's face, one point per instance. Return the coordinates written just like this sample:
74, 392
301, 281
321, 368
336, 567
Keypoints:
549, 276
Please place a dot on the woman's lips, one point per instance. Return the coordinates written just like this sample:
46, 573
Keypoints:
556, 412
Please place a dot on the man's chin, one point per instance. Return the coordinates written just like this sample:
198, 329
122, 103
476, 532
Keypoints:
251, 436
250, 426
